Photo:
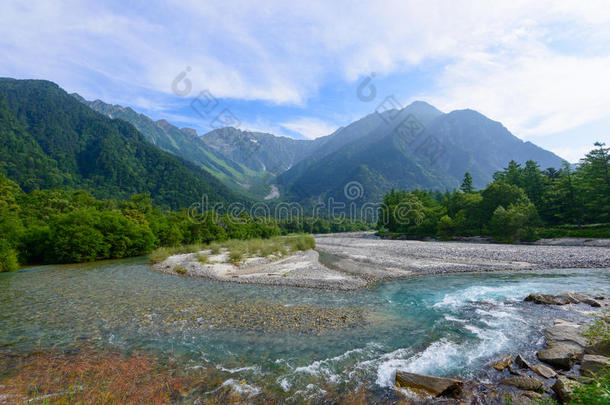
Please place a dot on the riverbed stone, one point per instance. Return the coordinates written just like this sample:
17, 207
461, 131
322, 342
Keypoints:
549, 299
521, 362
585, 299
503, 362
564, 387
560, 356
592, 364
515, 371
523, 383
543, 370
599, 348
565, 333
428, 384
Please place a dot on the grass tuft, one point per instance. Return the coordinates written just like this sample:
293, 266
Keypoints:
180, 270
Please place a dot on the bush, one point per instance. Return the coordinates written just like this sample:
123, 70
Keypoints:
446, 228
203, 258
8, 258
300, 242
599, 330
180, 270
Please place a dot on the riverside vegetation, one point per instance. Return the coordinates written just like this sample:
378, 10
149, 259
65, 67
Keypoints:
522, 203
64, 226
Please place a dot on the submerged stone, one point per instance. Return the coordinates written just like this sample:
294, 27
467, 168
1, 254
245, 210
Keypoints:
431, 385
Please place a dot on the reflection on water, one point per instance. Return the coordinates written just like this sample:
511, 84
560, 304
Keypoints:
447, 325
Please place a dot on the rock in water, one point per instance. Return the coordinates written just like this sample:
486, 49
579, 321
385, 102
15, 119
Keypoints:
524, 383
593, 364
564, 387
565, 333
503, 363
521, 362
431, 385
561, 356
548, 299
543, 371
565, 345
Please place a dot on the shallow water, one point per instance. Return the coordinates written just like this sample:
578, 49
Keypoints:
444, 325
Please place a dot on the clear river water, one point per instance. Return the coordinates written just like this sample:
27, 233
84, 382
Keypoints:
444, 325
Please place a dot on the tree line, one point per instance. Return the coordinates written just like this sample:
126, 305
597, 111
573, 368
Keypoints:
68, 226
521, 203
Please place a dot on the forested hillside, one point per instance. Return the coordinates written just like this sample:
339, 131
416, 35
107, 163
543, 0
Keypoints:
48, 139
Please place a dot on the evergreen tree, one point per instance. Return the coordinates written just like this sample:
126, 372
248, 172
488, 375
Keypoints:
466, 186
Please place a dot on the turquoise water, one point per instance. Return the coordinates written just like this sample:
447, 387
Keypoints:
444, 325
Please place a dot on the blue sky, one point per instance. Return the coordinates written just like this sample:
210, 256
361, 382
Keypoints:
541, 68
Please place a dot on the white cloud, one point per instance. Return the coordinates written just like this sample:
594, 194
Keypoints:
572, 154
310, 128
536, 66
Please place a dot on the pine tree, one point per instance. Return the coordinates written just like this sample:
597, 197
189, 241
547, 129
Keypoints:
466, 186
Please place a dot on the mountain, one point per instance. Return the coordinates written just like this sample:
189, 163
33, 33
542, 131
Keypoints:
259, 151
48, 139
416, 147
185, 143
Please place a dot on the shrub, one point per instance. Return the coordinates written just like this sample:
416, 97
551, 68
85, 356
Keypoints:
8, 258
203, 258
236, 256
599, 330
300, 242
180, 270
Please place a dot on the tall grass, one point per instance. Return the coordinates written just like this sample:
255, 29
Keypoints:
239, 250
162, 253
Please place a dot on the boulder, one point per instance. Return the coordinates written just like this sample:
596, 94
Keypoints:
592, 364
521, 362
562, 299
515, 371
548, 299
428, 384
524, 383
565, 333
585, 299
561, 356
503, 363
543, 371
599, 348
564, 387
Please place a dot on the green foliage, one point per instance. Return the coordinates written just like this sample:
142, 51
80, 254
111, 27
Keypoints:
594, 391
522, 203
203, 258
180, 270
466, 186
8, 257
599, 330
517, 222
49, 140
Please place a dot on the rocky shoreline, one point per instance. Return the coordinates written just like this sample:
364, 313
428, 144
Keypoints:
551, 373
351, 261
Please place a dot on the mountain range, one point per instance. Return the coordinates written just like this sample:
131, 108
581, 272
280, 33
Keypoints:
63, 140
48, 139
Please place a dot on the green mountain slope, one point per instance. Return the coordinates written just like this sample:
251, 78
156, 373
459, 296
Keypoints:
259, 151
416, 147
185, 143
49, 139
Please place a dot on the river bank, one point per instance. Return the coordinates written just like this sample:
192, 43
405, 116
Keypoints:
351, 261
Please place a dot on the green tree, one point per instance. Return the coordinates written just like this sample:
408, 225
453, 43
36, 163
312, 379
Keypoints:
593, 176
466, 186
500, 194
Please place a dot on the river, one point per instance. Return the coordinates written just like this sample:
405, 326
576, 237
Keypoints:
445, 325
